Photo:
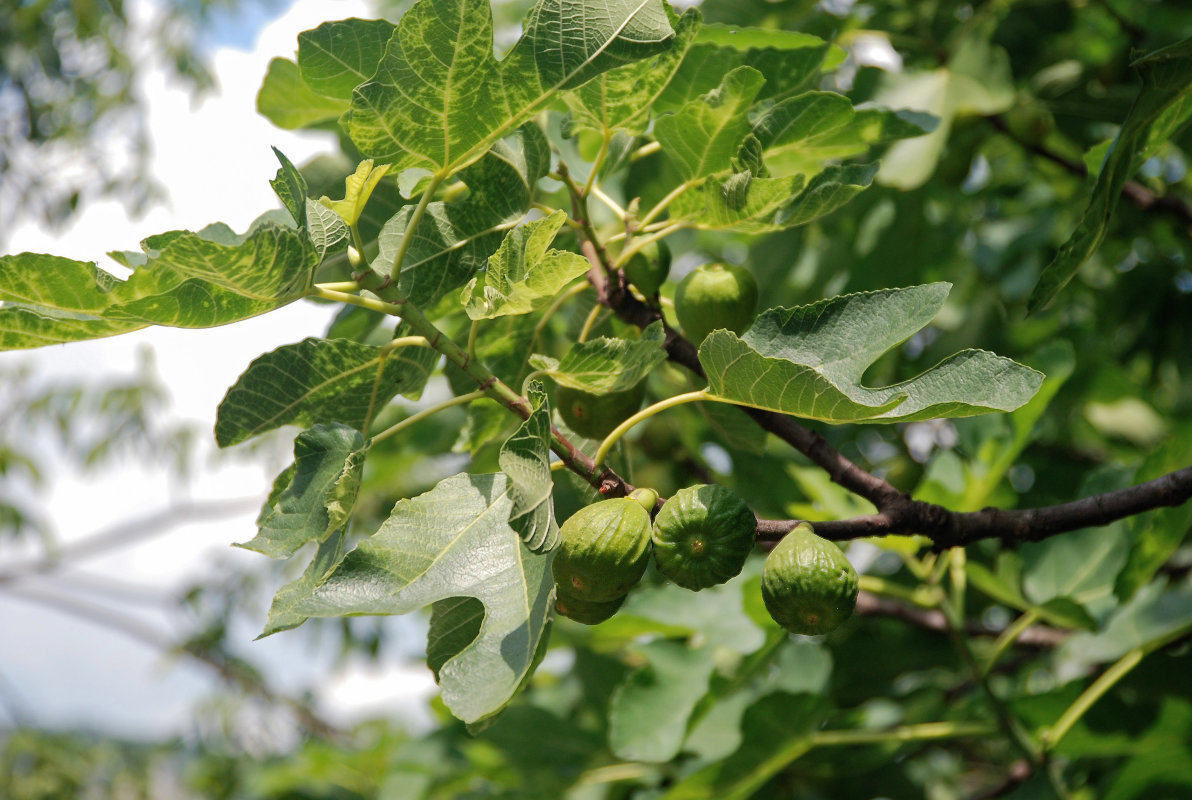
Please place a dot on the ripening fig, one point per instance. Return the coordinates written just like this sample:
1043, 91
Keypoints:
808, 584
589, 612
647, 268
702, 536
715, 296
595, 415
604, 547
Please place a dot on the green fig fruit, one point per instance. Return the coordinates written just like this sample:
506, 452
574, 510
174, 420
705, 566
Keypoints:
603, 548
715, 296
808, 584
595, 415
702, 536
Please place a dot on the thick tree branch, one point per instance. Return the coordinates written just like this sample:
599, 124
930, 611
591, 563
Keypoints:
955, 529
897, 512
1141, 196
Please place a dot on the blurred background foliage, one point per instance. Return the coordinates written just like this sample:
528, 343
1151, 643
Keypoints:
695, 696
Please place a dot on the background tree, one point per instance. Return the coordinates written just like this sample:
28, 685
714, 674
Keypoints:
1023, 623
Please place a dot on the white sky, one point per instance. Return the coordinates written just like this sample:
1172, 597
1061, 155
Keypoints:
215, 161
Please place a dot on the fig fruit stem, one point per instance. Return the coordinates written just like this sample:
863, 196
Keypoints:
399, 257
589, 323
612, 204
427, 412
647, 412
642, 241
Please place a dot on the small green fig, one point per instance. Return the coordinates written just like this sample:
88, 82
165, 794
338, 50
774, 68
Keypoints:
595, 415
715, 296
604, 547
648, 267
702, 536
808, 584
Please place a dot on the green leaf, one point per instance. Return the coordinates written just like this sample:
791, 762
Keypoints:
320, 381
51, 300
328, 231
1157, 614
1166, 80
623, 98
336, 57
288, 102
1081, 565
797, 120
746, 203
775, 732
453, 541
453, 240
290, 187
1156, 535
969, 484
715, 615
705, 134
454, 624
523, 275
440, 98
808, 361
281, 612
314, 496
604, 364
358, 187
1003, 585
789, 60
977, 80
525, 460
183, 279
649, 711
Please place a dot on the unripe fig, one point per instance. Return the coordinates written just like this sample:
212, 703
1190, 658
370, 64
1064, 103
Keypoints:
647, 268
808, 584
604, 547
589, 612
595, 415
702, 536
715, 296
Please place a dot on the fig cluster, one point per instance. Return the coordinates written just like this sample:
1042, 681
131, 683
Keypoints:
701, 537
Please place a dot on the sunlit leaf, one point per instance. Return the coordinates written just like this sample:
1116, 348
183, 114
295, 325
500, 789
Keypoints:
440, 98
605, 364
525, 460
524, 274
336, 57
320, 381
288, 102
808, 361
454, 240
314, 496
454, 541
706, 133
